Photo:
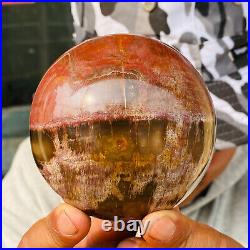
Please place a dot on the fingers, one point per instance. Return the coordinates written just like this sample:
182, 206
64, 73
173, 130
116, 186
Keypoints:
168, 228
172, 229
97, 237
65, 226
165, 230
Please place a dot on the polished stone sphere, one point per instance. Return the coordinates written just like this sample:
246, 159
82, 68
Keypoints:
122, 125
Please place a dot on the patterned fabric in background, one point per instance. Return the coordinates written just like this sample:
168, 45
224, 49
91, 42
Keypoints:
212, 36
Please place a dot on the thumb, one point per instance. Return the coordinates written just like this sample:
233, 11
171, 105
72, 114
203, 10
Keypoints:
65, 226
172, 229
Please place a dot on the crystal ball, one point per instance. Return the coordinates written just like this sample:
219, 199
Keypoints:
122, 125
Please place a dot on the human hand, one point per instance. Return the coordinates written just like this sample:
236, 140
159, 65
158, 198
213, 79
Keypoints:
67, 226
172, 229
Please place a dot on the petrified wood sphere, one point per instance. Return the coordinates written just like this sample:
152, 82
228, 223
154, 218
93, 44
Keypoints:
122, 125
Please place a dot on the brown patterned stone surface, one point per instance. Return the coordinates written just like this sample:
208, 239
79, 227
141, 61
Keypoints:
122, 125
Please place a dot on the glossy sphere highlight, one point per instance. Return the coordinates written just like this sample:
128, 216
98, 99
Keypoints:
122, 125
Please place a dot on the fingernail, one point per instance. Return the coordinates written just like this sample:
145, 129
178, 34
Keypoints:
128, 244
162, 228
65, 224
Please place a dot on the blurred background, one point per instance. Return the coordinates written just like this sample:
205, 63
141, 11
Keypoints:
34, 36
